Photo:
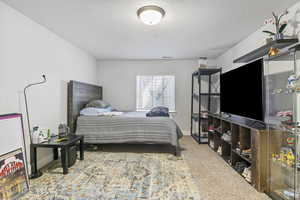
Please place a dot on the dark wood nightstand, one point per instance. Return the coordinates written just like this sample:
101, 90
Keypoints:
64, 149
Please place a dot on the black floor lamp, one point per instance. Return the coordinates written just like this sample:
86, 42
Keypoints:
37, 172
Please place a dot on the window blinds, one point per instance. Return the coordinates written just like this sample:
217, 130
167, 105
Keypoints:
155, 91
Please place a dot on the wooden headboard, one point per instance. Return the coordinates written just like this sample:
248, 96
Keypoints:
79, 94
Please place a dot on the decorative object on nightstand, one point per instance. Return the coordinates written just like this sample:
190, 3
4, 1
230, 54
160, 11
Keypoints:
63, 130
36, 173
40, 135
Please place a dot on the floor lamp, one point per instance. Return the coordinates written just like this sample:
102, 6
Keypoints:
37, 172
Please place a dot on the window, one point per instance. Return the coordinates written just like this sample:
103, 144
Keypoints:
155, 91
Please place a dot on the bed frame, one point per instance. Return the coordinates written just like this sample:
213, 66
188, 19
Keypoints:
79, 94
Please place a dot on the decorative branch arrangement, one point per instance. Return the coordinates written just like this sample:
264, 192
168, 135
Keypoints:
280, 27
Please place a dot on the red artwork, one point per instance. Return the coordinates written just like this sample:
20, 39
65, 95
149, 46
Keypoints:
13, 178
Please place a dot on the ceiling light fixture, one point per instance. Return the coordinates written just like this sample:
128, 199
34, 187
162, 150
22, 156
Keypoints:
151, 15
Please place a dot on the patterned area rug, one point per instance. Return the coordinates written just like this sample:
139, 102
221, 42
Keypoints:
117, 176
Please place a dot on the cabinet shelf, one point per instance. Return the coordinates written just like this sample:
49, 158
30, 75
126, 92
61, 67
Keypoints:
282, 166
278, 195
244, 137
196, 96
196, 117
264, 50
284, 128
242, 156
202, 139
206, 72
211, 94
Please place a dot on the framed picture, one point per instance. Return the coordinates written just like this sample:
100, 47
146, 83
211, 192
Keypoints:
13, 177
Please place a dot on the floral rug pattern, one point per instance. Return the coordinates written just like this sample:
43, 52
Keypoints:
117, 176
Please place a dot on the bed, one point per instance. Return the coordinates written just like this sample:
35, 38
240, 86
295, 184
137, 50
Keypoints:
128, 127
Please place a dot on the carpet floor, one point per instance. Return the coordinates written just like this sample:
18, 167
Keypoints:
145, 172
117, 176
215, 179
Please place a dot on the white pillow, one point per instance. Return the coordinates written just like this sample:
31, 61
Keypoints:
94, 111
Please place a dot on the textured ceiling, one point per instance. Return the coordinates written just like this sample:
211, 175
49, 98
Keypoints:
110, 29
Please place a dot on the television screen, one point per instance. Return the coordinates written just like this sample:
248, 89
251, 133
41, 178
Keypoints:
242, 91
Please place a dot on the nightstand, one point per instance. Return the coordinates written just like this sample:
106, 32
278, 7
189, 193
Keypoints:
64, 147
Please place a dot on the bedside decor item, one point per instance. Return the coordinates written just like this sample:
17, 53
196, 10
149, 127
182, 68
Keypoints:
40, 135
63, 130
280, 27
38, 173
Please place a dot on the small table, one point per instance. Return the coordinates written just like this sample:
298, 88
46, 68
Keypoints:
64, 149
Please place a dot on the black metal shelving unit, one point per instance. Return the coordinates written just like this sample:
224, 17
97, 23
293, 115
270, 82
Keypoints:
200, 117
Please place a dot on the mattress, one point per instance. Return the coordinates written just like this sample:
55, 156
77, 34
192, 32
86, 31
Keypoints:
130, 127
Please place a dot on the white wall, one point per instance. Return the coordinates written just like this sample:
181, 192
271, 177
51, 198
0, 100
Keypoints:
118, 79
257, 39
27, 51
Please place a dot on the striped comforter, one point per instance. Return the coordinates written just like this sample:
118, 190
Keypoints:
131, 127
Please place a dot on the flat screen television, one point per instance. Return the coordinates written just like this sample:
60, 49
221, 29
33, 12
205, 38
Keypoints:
242, 91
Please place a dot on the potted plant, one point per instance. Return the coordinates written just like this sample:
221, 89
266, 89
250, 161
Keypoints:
280, 26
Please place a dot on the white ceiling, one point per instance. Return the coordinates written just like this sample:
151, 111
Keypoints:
110, 29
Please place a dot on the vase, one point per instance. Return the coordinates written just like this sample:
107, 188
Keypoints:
279, 36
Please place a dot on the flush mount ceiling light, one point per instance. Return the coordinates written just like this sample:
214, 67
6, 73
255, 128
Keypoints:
151, 15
